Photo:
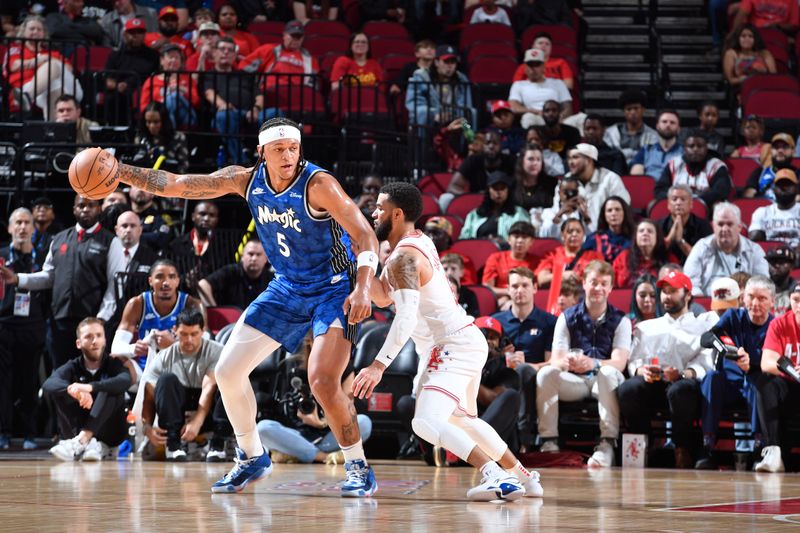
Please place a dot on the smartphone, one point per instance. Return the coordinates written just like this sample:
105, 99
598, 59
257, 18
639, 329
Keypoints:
732, 356
571, 193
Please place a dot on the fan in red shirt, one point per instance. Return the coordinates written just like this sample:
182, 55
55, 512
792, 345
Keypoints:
499, 264
172, 87
203, 58
228, 21
779, 394
647, 254
783, 14
568, 259
168, 32
554, 67
289, 57
357, 66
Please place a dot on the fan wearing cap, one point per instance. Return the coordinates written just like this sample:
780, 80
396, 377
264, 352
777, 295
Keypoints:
554, 67
706, 175
490, 12
288, 57
724, 252
169, 24
428, 88
672, 382
203, 57
512, 137
497, 213
759, 184
126, 68
779, 221
499, 264
173, 88
596, 183
115, 20
781, 262
527, 97
733, 382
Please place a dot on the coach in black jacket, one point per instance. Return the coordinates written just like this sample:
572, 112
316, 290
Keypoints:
89, 395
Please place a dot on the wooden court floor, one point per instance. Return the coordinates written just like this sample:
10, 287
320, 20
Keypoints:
46, 496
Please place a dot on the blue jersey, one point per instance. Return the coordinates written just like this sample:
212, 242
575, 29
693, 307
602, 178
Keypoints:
151, 320
306, 249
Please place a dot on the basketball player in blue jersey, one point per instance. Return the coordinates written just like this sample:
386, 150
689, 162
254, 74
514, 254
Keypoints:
311, 231
154, 311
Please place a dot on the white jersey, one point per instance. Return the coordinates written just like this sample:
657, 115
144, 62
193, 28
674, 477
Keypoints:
439, 314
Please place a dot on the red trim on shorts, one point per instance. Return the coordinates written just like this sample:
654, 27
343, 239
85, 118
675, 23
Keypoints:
449, 395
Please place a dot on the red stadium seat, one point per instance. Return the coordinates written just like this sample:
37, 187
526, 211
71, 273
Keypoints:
350, 103
463, 204
478, 250
435, 184
566, 51
91, 58
740, 169
660, 210
429, 205
621, 299
485, 31
641, 190
780, 82
540, 298
774, 104
748, 207
299, 99
561, 34
381, 28
381, 47
487, 301
541, 247
274, 27
490, 48
327, 27
221, 316
705, 301
393, 64
774, 36
319, 45
492, 69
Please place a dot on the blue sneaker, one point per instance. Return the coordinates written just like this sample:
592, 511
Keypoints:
507, 488
360, 481
245, 471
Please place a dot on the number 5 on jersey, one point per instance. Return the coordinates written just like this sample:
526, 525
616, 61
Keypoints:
284, 249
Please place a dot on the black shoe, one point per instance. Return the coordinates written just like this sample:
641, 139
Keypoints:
410, 449
707, 462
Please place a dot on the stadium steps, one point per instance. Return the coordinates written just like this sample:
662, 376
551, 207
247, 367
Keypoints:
618, 56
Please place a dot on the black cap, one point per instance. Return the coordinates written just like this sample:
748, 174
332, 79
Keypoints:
782, 254
42, 200
170, 47
498, 176
445, 51
294, 27
522, 228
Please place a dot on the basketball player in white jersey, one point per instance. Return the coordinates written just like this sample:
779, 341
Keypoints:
427, 312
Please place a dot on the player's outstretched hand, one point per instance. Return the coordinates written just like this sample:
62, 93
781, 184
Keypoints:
367, 380
357, 306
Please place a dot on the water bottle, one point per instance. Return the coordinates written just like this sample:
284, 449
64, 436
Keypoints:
126, 449
469, 133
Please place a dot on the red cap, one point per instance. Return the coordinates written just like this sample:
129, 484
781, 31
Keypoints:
134, 25
487, 322
167, 10
675, 279
499, 105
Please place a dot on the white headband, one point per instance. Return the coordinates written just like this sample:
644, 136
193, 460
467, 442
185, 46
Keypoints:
278, 133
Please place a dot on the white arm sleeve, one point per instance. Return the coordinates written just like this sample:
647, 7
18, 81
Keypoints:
121, 346
406, 304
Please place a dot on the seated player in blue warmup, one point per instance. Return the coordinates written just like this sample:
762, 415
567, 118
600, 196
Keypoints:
311, 231
154, 312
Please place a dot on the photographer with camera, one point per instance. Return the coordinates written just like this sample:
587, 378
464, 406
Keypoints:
568, 204
733, 380
302, 434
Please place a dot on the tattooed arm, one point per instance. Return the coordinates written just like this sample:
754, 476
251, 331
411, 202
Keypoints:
233, 179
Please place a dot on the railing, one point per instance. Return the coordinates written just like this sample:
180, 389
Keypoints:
659, 71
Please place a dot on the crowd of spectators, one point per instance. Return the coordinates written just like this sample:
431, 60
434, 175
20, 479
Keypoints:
541, 171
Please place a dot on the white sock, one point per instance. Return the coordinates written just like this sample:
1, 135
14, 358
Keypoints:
354, 452
491, 470
250, 443
520, 471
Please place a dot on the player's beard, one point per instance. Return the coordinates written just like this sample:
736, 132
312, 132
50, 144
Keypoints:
383, 230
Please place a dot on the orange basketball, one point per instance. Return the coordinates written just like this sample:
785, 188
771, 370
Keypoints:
93, 173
